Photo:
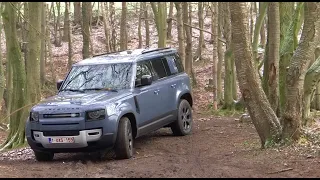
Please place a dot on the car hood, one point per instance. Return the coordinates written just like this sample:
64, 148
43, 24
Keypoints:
88, 98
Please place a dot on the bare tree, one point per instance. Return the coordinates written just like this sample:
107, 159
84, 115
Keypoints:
160, 15
214, 22
139, 26
187, 29
86, 6
65, 23
271, 67
178, 6
43, 43
261, 113
77, 12
113, 26
169, 29
123, 28
146, 22
105, 14
296, 73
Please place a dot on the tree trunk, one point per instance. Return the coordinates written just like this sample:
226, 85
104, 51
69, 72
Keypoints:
146, 22
214, 22
271, 73
113, 41
169, 34
43, 44
58, 39
188, 48
296, 73
86, 6
139, 26
90, 27
286, 16
16, 136
69, 41
259, 22
77, 12
261, 113
228, 61
25, 32
201, 38
123, 28
33, 88
287, 45
65, 23
263, 34
178, 6
311, 81
160, 15
2, 76
220, 53
251, 21
105, 14
316, 99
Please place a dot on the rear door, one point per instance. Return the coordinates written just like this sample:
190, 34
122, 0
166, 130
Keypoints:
175, 70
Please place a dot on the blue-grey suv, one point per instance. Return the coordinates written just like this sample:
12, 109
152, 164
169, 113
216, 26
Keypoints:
109, 100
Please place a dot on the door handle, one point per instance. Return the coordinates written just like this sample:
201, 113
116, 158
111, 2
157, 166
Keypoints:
173, 85
156, 92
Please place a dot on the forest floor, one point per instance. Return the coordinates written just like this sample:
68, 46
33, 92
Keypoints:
218, 147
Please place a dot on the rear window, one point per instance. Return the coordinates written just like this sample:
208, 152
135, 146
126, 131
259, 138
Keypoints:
159, 67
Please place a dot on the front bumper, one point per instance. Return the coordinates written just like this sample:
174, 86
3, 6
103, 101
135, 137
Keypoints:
83, 142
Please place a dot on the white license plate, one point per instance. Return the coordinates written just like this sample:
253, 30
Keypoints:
61, 140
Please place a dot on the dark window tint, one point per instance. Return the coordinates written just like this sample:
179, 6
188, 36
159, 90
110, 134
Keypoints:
172, 65
178, 63
143, 68
159, 67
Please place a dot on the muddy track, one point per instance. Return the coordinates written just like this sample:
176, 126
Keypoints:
218, 147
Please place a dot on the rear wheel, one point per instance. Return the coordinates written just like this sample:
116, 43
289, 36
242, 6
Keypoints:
124, 143
43, 156
183, 125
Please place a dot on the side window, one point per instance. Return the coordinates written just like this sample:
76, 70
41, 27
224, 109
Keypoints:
178, 62
144, 68
172, 65
159, 67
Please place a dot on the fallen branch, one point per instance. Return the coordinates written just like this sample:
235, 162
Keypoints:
282, 170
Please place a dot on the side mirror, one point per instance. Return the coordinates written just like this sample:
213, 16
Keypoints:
145, 80
59, 83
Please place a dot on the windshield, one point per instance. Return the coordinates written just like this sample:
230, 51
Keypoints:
102, 76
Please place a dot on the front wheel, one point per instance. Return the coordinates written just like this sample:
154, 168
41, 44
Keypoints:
183, 125
43, 156
124, 143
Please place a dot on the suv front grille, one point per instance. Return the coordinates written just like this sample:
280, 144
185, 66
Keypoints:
65, 115
61, 133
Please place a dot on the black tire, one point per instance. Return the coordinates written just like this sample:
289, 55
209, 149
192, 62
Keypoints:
43, 156
124, 143
183, 125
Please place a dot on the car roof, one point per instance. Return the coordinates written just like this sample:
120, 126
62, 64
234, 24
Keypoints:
128, 56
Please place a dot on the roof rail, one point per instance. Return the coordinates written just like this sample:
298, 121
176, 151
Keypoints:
153, 50
106, 53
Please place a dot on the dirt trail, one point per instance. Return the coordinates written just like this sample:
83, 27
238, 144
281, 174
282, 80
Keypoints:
218, 147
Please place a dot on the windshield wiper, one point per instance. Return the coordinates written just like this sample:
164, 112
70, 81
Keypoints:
100, 89
73, 90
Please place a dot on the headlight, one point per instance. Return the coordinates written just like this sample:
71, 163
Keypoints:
34, 116
95, 115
